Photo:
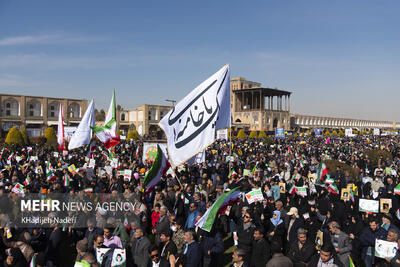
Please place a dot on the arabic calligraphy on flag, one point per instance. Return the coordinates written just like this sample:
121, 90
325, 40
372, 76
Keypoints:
191, 125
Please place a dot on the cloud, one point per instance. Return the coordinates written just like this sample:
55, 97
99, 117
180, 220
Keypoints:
47, 39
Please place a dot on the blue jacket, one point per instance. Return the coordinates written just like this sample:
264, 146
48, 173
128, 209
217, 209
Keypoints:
191, 219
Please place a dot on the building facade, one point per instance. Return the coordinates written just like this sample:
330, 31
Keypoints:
35, 113
257, 108
144, 119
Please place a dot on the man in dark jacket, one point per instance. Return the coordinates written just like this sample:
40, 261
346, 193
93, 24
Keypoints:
327, 256
211, 246
245, 234
367, 240
278, 259
261, 251
140, 246
192, 250
300, 252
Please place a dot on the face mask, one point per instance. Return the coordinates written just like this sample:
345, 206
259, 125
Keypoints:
173, 228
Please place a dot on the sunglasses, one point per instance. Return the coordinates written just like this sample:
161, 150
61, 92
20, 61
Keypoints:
154, 256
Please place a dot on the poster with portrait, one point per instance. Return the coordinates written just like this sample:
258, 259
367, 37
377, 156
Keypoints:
282, 188
100, 252
119, 258
385, 205
368, 205
319, 240
385, 249
345, 194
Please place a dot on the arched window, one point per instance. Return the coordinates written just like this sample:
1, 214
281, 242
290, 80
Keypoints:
34, 108
122, 116
74, 111
11, 107
53, 109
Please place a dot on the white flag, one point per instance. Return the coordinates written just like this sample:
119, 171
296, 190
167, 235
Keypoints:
83, 134
190, 126
60, 133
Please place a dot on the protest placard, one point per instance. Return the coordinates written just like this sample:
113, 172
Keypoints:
254, 195
385, 249
369, 205
385, 205
345, 194
282, 188
246, 172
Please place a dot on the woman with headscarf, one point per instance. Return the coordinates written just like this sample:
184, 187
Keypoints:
276, 230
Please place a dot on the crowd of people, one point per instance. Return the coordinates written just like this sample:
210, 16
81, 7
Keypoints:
315, 228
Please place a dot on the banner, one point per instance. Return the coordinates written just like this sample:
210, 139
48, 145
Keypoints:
377, 131
254, 195
118, 258
150, 150
318, 131
385, 249
222, 134
369, 205
190, 126
345, 195
279, 133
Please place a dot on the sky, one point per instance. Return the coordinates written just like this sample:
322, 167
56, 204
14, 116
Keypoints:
339, 58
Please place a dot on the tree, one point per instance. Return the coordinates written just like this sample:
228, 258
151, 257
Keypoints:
262, 134
25, 136
253, 134
119, 107
326, 132
14, 136
119, 132
50, 135
334, 133
241, 134
133, 135
340, 132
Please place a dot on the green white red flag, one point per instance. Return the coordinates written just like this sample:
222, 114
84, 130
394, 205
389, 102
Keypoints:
49, 173
107, 134
333, 189
229, 198
159, 168
322, 171
397, 189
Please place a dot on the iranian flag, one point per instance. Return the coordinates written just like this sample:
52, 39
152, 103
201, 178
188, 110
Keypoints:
255, 170
329, 180
302, 164
398, 214
88, 190
33, 261
397, 189
60, 130
292, 190
49, 173
229, 198
322, 171
159, 168
333, 189
66, 180
107, 134
232, 174
137, 151
27, 181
